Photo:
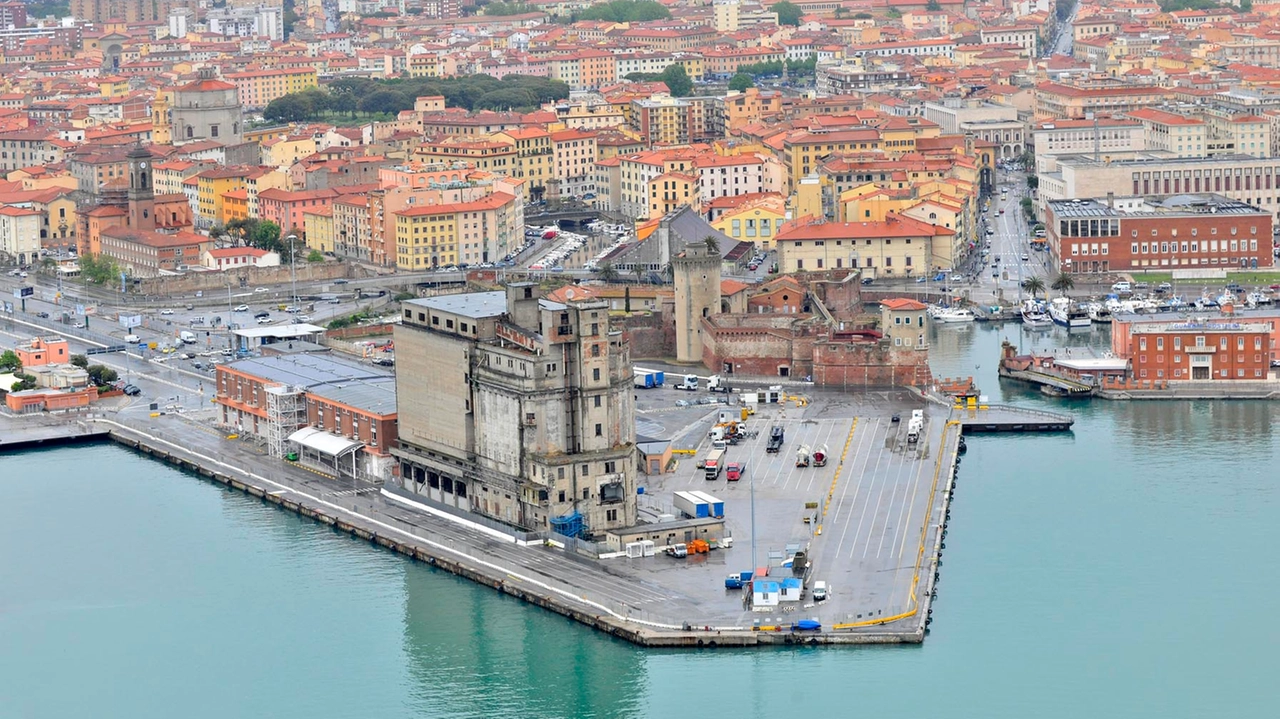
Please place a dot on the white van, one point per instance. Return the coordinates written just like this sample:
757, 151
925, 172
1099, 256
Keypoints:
1121, 287
819, 591
131, 339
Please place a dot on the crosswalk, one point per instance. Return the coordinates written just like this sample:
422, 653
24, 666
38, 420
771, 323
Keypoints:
352, 492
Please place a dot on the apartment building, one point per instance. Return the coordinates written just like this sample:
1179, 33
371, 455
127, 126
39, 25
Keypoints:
518, 409
1171, 132
257, 88
474, 232
574, 153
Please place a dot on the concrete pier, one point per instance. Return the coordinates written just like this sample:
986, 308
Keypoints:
1007, 418
19, 433
522, 572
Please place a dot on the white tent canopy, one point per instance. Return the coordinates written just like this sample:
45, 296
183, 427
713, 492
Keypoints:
323, 442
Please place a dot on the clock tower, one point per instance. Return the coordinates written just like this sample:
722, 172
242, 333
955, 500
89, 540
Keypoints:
141, 194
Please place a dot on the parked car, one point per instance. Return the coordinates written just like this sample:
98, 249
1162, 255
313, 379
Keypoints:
42, 315
340, 281
242, 308
262, 315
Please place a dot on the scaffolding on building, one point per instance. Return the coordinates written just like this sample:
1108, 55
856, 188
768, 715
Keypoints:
285, 413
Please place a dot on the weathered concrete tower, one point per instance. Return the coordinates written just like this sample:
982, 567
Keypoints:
697, 281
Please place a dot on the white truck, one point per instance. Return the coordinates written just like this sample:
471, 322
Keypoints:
714, 464
716, 383
187, 337
689, 383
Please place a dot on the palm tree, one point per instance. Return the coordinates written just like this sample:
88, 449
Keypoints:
607, 272
1034, 285
1063, 283
638, 271
713, 244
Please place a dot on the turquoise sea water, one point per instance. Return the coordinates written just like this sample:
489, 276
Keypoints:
1123, 570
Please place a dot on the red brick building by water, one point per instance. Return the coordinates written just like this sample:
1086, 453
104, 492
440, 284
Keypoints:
1219, 350
1118, 234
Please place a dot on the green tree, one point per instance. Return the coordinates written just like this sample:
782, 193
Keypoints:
510, 98
642, 76
315, 256
1033, 285
9, 362
386, 101
1063, 283
79, 361
1028, 207
1033, 182
607, 272
741, 82
933, 6
25, 382
713, 244
98, 269
288, 108
626, 11
266, 236
503, 9
841, 12
101, 375
677, 80
788, 12
626, 298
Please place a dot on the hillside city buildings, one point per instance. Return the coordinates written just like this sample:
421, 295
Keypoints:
862, 144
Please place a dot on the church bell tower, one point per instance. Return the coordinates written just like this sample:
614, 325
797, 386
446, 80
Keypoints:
141, 195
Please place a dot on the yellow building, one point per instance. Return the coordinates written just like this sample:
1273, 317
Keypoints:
283, 152
471, 232
257, 88
422, 64
235, 206
211, 186
670, 191
426, 237
804, 151
318, 224
897, 247
114, 86
534, 159
756, 222
260, 180
484, 154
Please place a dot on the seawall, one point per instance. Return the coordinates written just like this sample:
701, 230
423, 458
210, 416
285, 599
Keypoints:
509, 581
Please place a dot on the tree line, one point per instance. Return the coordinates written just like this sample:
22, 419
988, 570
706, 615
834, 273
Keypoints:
349, 96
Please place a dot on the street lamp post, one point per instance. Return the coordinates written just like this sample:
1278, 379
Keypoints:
230, 333
293, 275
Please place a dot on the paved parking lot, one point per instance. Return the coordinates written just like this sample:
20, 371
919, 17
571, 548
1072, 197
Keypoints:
864, 542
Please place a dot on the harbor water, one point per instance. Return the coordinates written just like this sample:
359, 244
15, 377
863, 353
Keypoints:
1121, 570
